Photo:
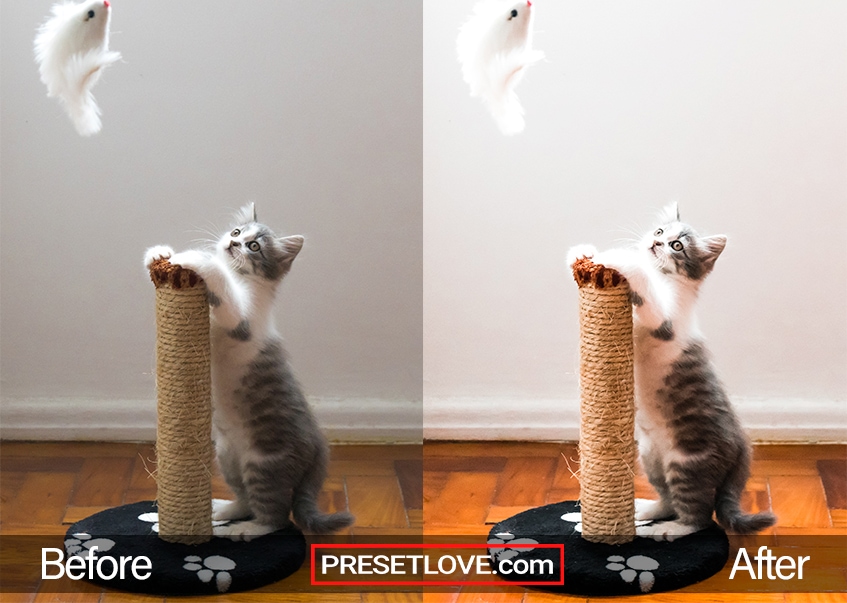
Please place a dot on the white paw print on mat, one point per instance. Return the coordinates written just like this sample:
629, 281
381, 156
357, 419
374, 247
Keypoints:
574, 518
81, 544
154, 519
151, 518
638, 565
216, 567
577, 519
501, 554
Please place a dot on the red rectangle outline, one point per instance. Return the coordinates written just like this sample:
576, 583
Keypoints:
314, 582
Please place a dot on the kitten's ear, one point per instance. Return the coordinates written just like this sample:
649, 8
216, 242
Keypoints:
246, 214
713, 246
670, 213
291, 246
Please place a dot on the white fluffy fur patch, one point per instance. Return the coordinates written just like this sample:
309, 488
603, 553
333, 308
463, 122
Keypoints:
495, 48
71, 49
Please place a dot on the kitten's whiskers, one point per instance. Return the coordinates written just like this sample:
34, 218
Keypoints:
211, 230
635, 231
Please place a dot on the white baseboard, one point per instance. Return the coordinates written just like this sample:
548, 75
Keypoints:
379, 420
343, 420
766, 420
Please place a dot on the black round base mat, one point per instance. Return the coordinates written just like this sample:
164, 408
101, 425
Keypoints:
594, 569
220, 565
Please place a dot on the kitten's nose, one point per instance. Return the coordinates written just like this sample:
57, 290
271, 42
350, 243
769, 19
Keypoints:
234, 244
657, 243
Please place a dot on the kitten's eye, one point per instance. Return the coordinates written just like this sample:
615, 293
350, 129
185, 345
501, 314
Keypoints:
676, 245
658, 233
253, 246
235, 233
91, 14
514, 13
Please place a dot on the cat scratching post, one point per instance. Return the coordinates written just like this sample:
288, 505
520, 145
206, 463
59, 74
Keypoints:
175, 531
184, 427
607, 405
603, 556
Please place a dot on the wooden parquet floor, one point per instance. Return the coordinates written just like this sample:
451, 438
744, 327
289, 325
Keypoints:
46, 486
469, 486
438, 489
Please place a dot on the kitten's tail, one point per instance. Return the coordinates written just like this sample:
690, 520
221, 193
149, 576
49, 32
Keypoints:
305, 509
309, 517
735, 521
727, 503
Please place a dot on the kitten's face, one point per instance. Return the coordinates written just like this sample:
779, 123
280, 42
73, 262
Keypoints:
253, 250
676, 249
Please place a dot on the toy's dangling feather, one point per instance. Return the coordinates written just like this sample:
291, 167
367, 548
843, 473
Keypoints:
71, 49
495, 48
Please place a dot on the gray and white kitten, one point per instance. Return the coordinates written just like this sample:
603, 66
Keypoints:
269, 446
690, 441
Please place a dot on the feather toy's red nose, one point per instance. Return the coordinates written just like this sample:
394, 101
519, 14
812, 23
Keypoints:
107, 3
528, 3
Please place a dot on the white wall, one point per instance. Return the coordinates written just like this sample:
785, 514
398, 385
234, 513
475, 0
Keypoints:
313, 111
736, 109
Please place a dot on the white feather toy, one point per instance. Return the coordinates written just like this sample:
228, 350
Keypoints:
71, 49
495, 48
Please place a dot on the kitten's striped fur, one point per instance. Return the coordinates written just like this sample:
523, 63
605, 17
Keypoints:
269, 446
690, 441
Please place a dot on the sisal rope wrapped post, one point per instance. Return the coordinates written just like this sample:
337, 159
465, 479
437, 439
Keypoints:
184, 408
607, 405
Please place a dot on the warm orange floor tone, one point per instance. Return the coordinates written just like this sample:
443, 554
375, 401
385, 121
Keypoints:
465, 487
469, 486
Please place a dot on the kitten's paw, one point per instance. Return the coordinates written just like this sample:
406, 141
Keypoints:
243, 530
666, 530
229, 510
651, 510
190, 259
577, 252
156, 253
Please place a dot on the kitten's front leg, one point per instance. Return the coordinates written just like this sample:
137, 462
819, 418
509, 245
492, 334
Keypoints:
225, 296
652, 299
198, 262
